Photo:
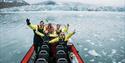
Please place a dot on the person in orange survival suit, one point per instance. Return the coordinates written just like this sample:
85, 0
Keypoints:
37, 39
52, 33
59, 29
62, 38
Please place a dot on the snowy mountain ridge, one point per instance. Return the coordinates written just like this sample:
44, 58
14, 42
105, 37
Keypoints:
73, 6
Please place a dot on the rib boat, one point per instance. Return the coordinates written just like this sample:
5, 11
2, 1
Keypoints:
53, 54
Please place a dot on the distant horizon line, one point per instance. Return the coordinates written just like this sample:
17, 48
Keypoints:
59, 11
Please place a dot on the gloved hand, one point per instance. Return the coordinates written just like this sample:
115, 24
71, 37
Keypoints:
28, 21
67, 25
74, 31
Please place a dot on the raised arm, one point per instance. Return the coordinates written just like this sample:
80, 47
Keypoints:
39, 33
65, 29
33, 27
69, 36
54, 40
53, 34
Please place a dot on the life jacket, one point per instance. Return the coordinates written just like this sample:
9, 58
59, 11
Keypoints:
58, 32
46, 37
41, 30
37, 39
62, 41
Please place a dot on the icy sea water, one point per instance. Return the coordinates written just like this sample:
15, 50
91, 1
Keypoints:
99, 38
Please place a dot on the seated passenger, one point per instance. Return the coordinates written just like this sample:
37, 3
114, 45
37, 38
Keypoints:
58, 29
51, 32
65, 28
62, 37
48, 33
37, 39
49, 29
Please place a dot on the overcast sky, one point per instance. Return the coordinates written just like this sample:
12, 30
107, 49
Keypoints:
97, 2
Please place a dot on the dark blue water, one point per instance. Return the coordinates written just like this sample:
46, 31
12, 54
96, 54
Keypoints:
99, 38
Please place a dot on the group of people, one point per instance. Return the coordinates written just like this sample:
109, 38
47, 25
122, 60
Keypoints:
52, 33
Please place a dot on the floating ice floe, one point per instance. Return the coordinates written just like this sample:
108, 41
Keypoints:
100, 62
104, 53
112, 39
113, 51
86, 55
92, 43
119, 62
88, 40
123, 60
92, 60
122, 47
80, 46
93, 53
85, 49
113, 61
95, 35
16, 51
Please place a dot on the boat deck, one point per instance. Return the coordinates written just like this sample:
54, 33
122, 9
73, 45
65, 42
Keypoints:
30, 57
